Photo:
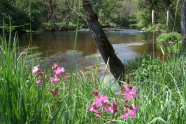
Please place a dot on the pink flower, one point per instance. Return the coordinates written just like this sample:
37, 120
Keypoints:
55, 79
129, 93
100, 99
39, 82
60, 70
92, 109
124, 116
133, 110
35, 69
113, 107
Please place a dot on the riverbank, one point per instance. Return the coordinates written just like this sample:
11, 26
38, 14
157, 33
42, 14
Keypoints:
71, 27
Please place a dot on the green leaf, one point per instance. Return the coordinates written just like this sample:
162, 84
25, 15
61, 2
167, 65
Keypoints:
66, 116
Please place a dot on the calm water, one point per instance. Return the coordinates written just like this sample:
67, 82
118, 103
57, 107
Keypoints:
58, 46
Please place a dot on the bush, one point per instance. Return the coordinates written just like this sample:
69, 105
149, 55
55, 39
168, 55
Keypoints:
166, 37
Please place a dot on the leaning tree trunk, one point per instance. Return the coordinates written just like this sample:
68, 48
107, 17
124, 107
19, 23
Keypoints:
183, 23
117, 68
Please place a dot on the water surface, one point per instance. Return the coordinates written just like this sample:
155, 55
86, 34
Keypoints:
58, 46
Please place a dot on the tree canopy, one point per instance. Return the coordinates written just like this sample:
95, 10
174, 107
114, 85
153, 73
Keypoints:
123, 13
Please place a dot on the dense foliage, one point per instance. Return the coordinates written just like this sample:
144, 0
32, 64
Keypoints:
144, 14
20, 16
63, 13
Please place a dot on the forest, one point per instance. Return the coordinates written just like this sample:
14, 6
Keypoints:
54, 15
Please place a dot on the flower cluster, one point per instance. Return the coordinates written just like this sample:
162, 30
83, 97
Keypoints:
58, 72
100, 100
39, 74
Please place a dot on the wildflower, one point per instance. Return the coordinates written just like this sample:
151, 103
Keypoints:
129, 93
100, 99
91, 108
59, 70
39, 81
133, 110
126, 86
35, 69
55, 79
125, 115
113, 107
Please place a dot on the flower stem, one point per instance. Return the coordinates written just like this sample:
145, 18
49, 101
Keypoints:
54, 102
54, 107
112, 118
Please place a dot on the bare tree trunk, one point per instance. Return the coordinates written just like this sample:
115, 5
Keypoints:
117, 68
183, 23
51, 11
68, 12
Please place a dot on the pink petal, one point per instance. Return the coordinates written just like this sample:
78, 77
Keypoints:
124, 116
127, 90
125, 94
134, 89
40, 84
128, 98
134, 95
35, 69
60, 70
137, 107
95, 110
132, 113
55, 79
125, 110
89, 107
39, 81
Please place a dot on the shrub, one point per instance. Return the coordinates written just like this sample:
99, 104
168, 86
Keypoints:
166, 37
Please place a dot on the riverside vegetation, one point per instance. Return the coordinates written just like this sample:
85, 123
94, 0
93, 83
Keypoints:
62, 14
25, 98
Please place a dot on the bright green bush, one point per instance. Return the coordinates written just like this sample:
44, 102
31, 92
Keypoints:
165, 37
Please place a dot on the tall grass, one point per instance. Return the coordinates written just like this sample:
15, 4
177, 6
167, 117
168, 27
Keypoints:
161, 99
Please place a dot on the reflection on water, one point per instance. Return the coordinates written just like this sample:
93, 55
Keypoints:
128, 43
59, 42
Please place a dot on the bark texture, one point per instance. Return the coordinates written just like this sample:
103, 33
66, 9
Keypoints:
117, 68
183, 23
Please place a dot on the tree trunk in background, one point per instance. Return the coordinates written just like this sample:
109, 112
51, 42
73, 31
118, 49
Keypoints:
52, 12
183, 23
117, 68
68, 4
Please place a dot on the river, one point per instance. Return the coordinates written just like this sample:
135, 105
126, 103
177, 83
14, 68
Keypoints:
58, 46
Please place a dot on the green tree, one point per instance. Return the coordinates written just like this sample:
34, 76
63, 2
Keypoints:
20, 14
144, 14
